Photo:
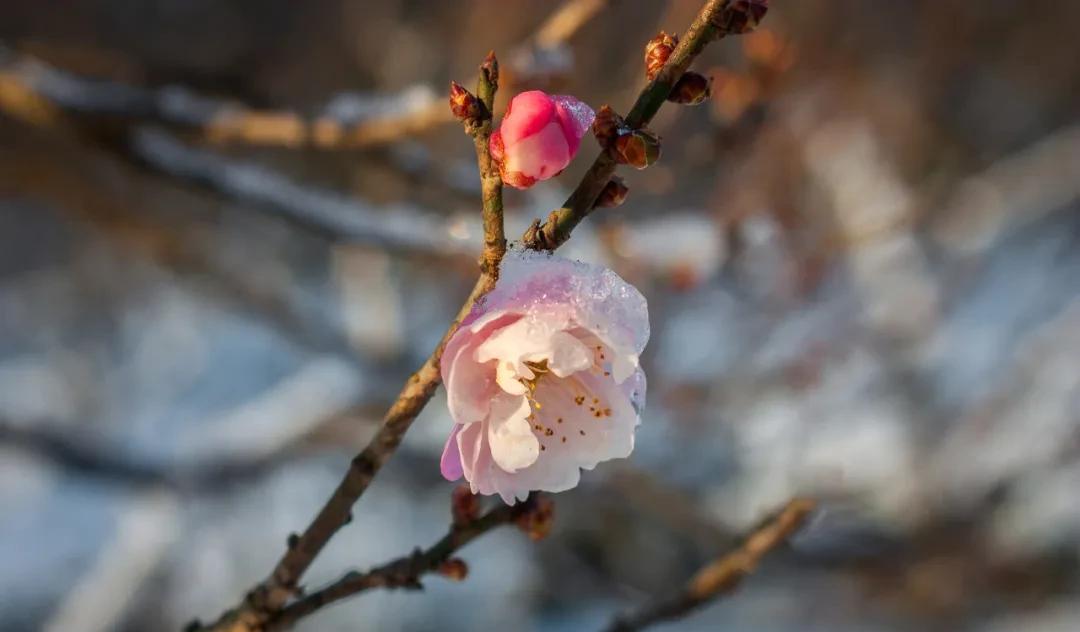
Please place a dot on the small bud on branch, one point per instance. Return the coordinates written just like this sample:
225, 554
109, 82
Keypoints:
489, 69
464, 506
463, 104
454, 569
608, 125
613, 195
691, 89
741, 16
638, 148
538, 520
657, 51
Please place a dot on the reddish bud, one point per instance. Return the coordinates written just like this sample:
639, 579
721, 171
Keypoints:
454, 569
538, 137
639, 148
607, 125
464, 506
538, 519
691, 89
489, 68
464, 105
657, 52
614, 194
741, 16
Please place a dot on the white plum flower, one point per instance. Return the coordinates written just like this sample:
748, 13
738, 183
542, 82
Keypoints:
542, 377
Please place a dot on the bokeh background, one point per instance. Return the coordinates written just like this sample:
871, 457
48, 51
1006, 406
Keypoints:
862, 260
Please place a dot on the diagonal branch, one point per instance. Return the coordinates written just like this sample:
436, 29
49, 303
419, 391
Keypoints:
552, 233
404, 572
723, 575
269, 598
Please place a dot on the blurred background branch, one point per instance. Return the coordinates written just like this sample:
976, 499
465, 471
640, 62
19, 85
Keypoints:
860, 257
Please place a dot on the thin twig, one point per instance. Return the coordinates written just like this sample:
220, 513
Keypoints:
561, 25
551, 234
723, 575
385, 119
404, 572
270, 597
490, 180
223, 121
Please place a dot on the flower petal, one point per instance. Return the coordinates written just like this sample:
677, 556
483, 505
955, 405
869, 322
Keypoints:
575, 117
526, 114
567, 355
450, 465
470, 385
513, 445
541, 155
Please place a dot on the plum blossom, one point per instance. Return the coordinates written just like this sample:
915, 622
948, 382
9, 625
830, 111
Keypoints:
539, 136
542, 378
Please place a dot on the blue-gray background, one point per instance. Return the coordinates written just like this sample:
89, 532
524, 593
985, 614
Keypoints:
862, 260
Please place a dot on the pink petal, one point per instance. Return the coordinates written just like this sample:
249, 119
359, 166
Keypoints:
541, 155
470, 385
594, 296
527, 114
576, 119
450, 465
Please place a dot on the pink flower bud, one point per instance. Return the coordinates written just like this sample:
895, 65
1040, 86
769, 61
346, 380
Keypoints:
539, 136
542, 378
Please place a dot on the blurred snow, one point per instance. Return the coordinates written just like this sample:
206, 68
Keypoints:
862, 267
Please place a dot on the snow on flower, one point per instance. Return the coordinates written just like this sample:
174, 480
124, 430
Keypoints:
542, 378
539, 136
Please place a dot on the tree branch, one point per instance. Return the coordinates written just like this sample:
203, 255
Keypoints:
552, 233
386, 119
723, 575
403, 572
269, 598
487, 84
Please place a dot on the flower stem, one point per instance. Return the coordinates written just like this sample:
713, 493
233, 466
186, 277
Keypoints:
552, 233
403, 572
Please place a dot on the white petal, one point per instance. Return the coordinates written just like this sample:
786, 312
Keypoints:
513, 445
567, 355
469, 384
506, 375
623, 365
541, 155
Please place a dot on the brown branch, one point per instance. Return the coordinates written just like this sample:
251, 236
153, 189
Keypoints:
551, 234
223, 121
269, 598
723, 575
487, 84
565, 21
403, 572
253, 127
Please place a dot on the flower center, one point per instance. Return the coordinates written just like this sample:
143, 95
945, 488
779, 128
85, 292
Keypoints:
570, 402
